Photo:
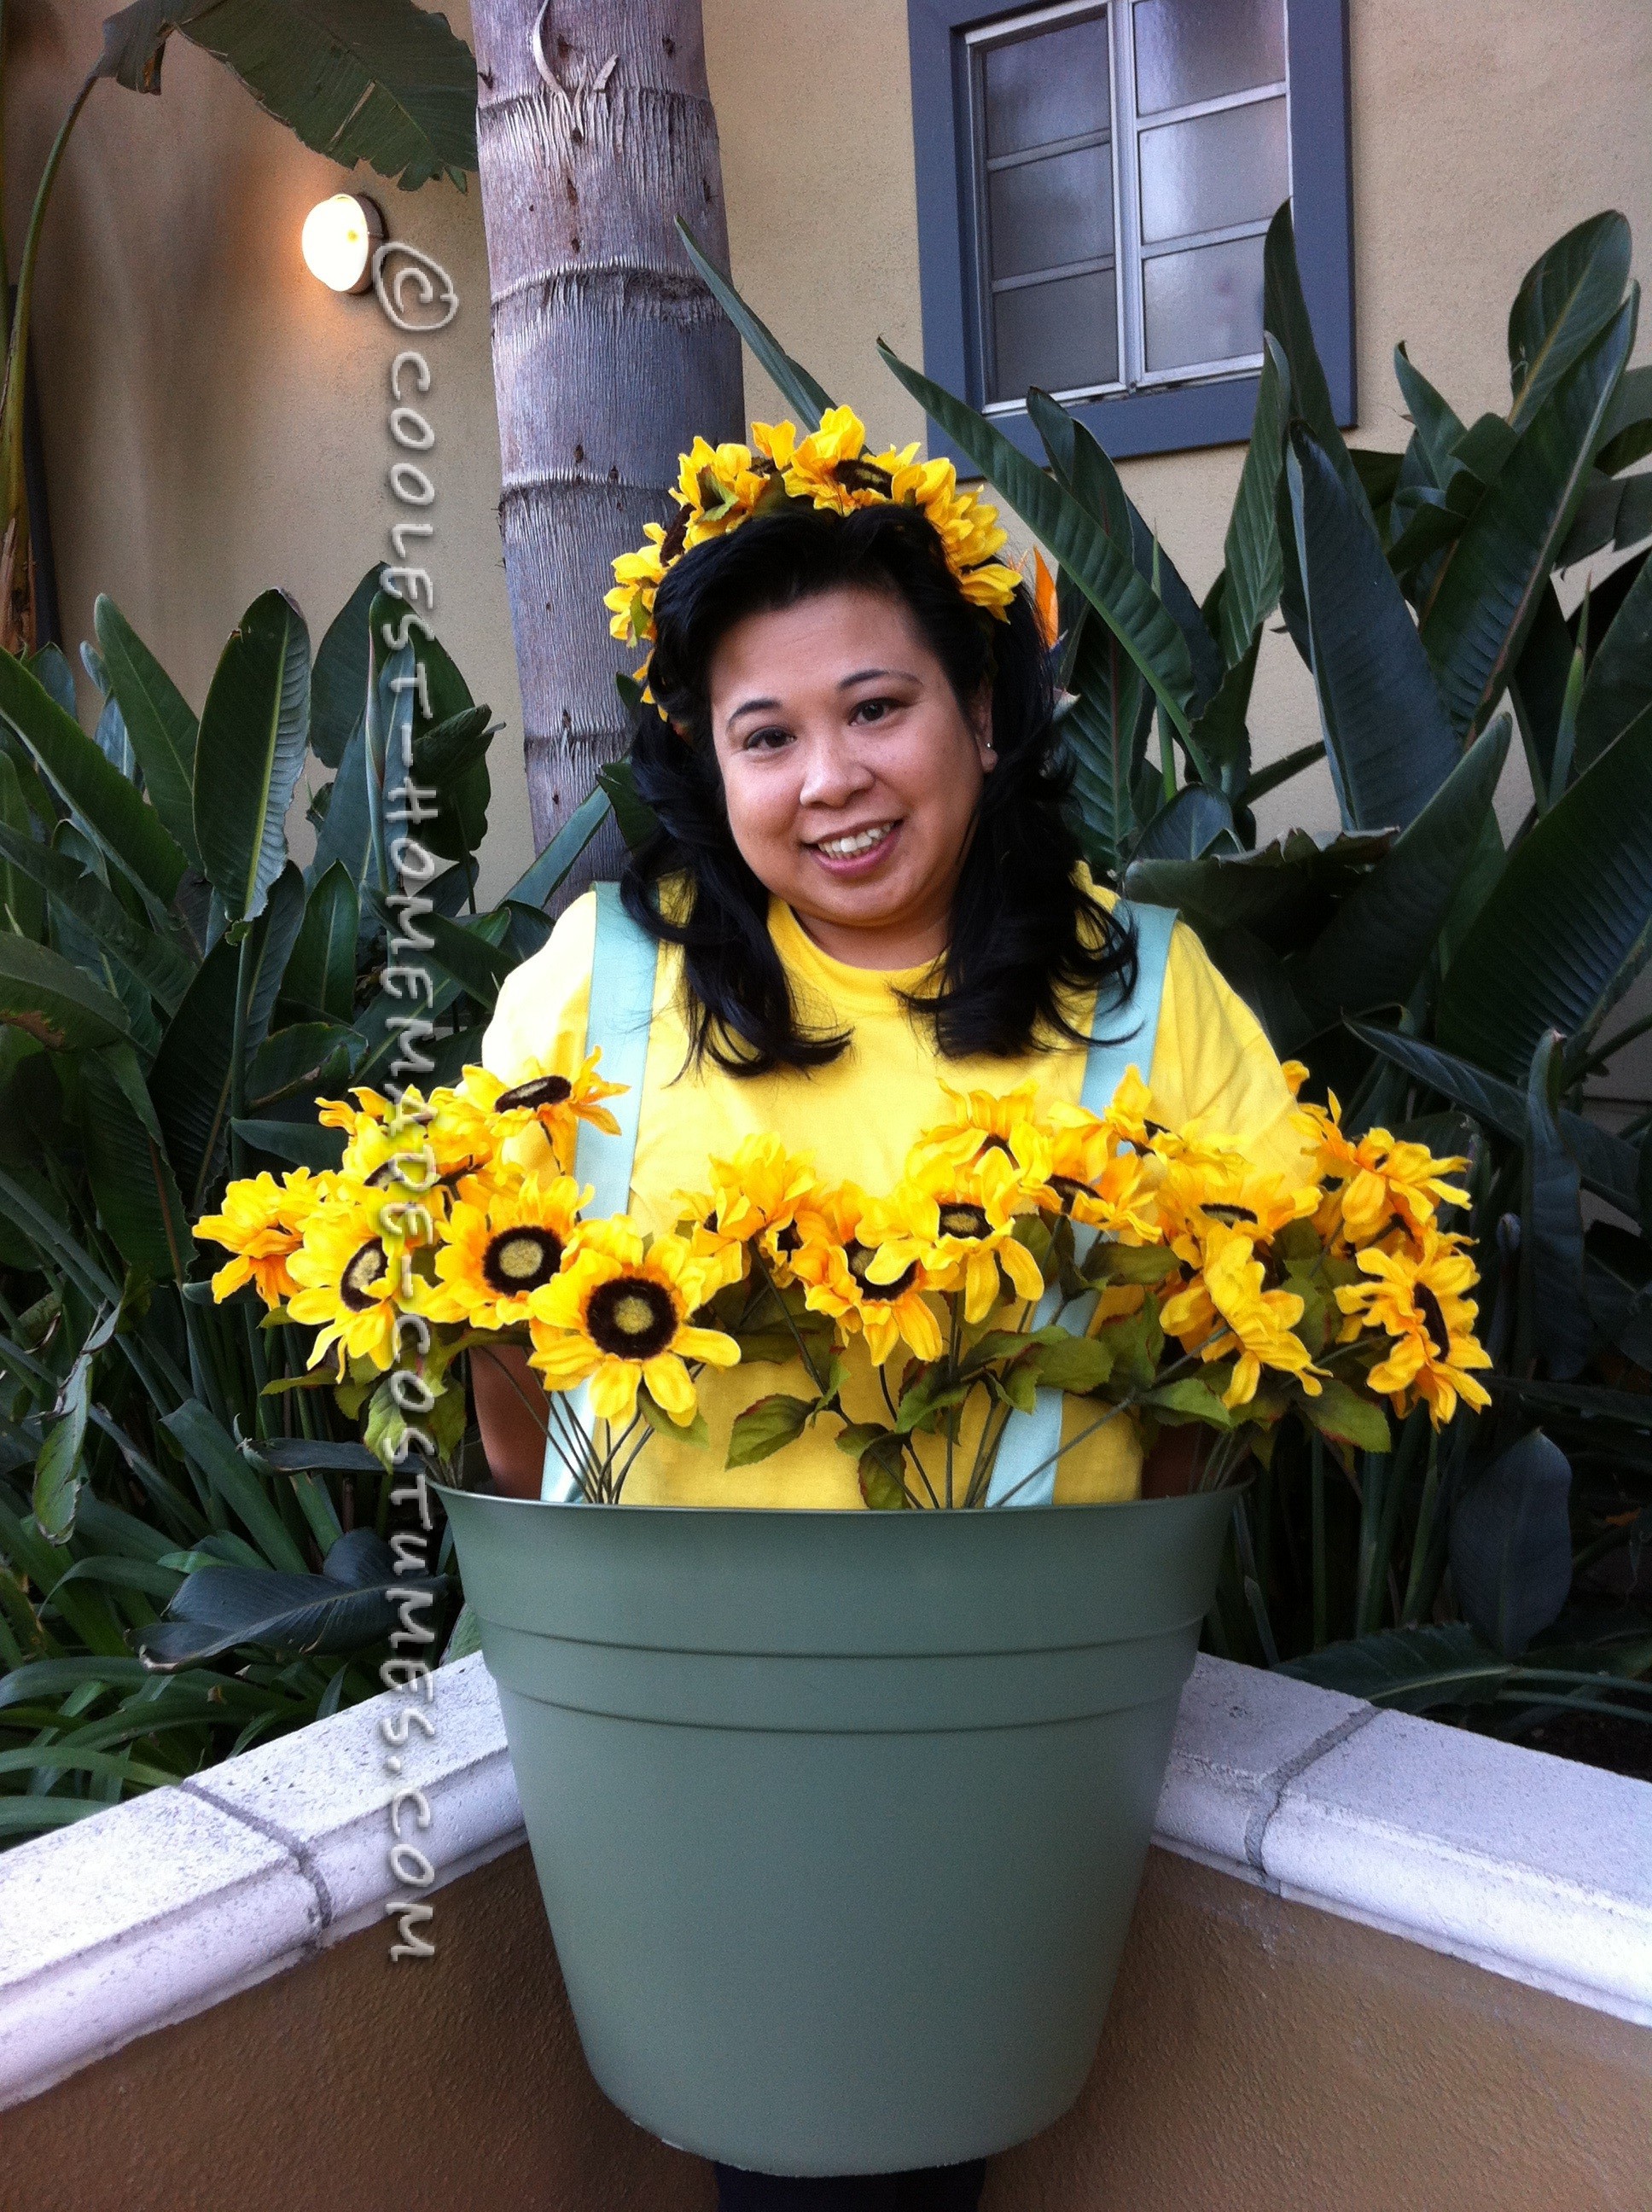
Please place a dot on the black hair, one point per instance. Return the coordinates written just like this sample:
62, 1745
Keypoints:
1025, 936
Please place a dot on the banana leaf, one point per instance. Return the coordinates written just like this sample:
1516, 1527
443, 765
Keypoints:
254, 735
161, 729
1565, 299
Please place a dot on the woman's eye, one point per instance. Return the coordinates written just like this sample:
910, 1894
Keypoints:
765, 741
873, 710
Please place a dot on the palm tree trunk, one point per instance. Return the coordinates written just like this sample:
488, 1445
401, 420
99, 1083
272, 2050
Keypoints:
609, 353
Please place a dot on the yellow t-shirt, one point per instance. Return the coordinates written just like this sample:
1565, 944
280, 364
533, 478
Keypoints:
859, 1116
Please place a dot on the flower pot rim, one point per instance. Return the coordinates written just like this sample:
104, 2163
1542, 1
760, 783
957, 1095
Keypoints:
836, 1514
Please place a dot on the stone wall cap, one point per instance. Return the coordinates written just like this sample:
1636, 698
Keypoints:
1532, 1867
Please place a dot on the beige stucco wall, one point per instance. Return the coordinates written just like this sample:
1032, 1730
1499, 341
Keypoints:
1257, 2056
215, 422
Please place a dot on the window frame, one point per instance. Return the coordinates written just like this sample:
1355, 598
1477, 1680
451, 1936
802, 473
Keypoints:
1168, 411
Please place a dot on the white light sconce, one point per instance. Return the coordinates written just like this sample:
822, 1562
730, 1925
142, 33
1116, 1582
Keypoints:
341, 236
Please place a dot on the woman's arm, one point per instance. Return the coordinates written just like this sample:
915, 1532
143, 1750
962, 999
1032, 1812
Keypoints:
511, 1410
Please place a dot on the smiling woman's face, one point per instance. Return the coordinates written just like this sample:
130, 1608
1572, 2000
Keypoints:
851, 774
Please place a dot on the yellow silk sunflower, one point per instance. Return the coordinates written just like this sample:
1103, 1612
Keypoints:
753, 1198
1225, 1309
833, 1262
1074, 1165
262, 1224
1201, 1190
957, 1224
977, 1121
1416, 1297
544, 1095
352, 1279
502, 1243
415, 1151
618, 1314
1381, 1178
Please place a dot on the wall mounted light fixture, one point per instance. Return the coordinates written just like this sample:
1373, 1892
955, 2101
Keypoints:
340, 236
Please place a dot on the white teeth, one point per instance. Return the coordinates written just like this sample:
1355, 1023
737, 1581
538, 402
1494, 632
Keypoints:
844, 849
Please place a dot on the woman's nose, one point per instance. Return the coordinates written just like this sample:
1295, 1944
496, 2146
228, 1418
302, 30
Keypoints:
833, 772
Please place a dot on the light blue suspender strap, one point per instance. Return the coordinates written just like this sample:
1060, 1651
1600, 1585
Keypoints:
1031, 1440
621, 1013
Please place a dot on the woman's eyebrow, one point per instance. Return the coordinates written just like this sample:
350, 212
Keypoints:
752, 707
864, 675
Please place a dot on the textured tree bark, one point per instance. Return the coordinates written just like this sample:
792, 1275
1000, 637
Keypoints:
609, 353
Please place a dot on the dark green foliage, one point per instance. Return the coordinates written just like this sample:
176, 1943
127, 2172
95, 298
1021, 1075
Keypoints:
155, 1499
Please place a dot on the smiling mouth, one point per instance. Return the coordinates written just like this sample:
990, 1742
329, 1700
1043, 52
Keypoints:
855, 842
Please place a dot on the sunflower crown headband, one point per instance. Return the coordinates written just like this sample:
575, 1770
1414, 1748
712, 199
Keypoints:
722, 486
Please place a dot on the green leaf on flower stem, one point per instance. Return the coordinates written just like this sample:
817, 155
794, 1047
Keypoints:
881, 1484
1074, 1364
1347, 1416
683, 1432
1128, 1263
929, 1395
766, 1427
1191, 1397
1017, 1386
858, 1436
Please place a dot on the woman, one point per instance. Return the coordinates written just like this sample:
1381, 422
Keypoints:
865, 887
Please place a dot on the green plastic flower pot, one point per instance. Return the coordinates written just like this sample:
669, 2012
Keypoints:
839, 1817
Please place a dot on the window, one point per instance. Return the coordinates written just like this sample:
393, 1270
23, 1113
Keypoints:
1095, 180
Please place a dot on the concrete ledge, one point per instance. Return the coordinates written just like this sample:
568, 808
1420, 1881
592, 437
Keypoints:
1528, 1866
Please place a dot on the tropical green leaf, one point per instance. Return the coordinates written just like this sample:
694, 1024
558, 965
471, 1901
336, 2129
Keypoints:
156, 965
1285, 315
1382, 934
1565, 928
1438, 428
1565, 299
792, 379
540, 882
1195, 819
298, 1144
1105, 574
320, 973
1626, 434
212, 1449
1386, 737
307, 1057
1408, 1669
124, 824
1490, 582
352, 1603
338, 680
23, 903
1618, 684
452, 758
1251, 549
159, 722
1555, 1322
467, 958
1511, 1546
254, 735
53, 1000
372, 80
138, 1196
1286, 892
1281, 771
1608, 1164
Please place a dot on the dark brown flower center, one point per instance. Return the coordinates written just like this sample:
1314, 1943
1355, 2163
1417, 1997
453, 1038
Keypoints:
1434, 1320
860, 1257
1070, 1190
365, 1266
518, 1260
863, 476
543, 1090
1231, 1214
787, 1239
960, 1219
631, 1317
676, 537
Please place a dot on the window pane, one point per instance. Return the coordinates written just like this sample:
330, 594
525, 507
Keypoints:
1213, 170
1056, 335
1052, 85
1206, 305
1189, 49
1047, 213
